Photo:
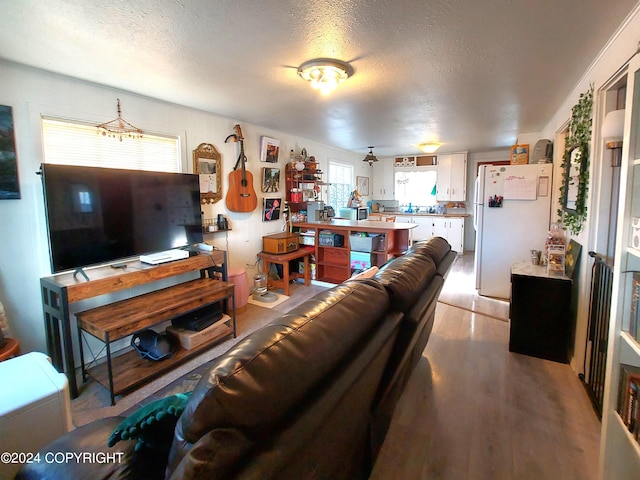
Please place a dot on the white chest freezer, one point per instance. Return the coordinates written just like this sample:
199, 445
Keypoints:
35, 407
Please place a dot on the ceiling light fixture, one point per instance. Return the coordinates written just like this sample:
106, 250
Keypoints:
429, 147
612, 132
324, 73
370, 157
119, 128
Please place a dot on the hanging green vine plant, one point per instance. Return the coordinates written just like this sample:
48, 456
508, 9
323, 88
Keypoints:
575, 166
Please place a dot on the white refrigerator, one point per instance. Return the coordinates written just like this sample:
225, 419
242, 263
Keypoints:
511, 217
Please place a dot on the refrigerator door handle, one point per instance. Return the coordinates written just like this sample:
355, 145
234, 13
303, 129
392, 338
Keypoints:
476, 190
476, 210
477, 204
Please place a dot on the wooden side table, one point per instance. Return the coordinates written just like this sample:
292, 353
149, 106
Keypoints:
11, 349
283, 259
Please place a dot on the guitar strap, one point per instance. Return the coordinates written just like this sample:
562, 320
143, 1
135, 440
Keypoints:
235, 139
238, 162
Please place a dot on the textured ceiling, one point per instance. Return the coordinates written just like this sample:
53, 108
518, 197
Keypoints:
468, 74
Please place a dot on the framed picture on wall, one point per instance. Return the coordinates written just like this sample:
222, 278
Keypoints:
271, 210
269, 150
362, 185
9, 185
270, 180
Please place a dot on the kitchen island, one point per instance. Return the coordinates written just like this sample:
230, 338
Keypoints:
340, 244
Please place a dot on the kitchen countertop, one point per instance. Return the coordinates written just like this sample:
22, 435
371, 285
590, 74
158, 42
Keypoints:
527, 269
344, 224
425, 214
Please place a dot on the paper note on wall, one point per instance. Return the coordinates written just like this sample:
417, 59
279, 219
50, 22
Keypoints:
520, 187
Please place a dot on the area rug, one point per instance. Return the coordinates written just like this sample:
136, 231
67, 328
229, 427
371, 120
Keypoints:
281, 298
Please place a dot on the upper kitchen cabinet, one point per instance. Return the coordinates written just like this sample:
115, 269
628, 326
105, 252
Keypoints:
383, 180
451, 184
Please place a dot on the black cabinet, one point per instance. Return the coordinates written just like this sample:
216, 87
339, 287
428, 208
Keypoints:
540, 313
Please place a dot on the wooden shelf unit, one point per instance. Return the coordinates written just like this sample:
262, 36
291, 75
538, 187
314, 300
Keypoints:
118, 320
298, 179
61, 290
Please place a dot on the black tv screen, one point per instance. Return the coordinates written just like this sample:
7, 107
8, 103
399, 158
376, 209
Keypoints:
98, 215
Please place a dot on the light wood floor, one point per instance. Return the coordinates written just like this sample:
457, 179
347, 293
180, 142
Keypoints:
473, 410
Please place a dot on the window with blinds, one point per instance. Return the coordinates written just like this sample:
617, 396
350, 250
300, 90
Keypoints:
71, 143
340, 184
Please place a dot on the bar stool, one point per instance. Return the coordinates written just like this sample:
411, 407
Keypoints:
10, 349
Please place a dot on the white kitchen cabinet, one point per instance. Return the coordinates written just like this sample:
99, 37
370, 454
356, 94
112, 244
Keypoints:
455, 234
439, 227
383, 180
451, 229
423, 229
451, 184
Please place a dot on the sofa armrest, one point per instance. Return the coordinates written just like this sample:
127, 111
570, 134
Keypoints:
83, 454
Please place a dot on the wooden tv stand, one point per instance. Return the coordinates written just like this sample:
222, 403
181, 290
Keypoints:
61, 290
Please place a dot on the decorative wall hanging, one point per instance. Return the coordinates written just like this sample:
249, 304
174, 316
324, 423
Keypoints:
575, 166
270, 180
269, 150
271, 210
119, 128
9, 184
207, 163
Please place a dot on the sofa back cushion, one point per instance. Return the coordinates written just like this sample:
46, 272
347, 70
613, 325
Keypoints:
274, 374
438, 249
405, 278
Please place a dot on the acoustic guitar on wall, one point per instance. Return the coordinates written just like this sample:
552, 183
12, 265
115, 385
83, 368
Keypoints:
241, 197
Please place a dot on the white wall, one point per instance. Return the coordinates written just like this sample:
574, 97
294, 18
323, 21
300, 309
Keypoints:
24, 256
613, 56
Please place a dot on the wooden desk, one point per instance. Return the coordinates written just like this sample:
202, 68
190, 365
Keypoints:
283, 259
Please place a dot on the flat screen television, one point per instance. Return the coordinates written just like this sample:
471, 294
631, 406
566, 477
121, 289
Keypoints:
98, 215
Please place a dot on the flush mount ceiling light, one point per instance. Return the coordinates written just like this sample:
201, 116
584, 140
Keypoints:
370, 157
324, 73
119, 128
429, 147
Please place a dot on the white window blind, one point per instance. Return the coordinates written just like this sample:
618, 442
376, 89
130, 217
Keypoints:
71, 143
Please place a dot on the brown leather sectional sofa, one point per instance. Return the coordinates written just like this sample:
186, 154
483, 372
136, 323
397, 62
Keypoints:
309, 396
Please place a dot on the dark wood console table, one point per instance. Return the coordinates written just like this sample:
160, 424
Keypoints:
61, 290
540, 313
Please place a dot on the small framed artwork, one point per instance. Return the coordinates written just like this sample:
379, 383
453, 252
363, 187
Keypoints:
519, 154
270, 180
269, 150
9, 184
572, 258
271, 210
362, 184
